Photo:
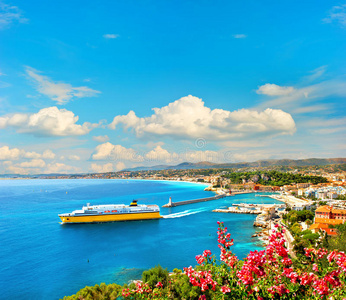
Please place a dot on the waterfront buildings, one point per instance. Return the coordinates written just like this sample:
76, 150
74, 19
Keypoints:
328, 215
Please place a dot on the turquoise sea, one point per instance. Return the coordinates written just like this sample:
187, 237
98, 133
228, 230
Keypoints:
41, 259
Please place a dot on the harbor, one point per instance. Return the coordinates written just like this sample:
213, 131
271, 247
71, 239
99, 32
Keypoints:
245, 208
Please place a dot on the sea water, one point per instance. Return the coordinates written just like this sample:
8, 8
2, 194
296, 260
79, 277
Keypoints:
42, 259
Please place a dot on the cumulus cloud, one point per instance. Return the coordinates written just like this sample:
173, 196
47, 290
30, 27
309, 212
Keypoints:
102, 168
34, 163
32, 155
159, 155
272, 89
101, 138
14, 154
110, 36
188, 117
48, 154
58, 91
10, 14
109, 167
10, 154
108, 151
120, 166
60, 168
337, 14
49, 121
10, 168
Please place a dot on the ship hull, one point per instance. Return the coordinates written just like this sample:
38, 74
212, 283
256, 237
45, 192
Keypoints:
110, 217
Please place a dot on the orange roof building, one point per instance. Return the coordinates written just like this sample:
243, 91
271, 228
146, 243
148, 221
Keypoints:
327, 215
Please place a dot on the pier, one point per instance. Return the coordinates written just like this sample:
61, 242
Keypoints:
173, 204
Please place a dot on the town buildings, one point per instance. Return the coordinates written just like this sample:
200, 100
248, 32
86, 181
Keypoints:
328, 215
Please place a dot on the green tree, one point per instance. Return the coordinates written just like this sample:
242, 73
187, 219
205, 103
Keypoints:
155, 275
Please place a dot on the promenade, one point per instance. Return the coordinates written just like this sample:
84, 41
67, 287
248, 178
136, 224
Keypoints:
291, 200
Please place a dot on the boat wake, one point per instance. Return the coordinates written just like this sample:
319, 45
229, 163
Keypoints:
184, 213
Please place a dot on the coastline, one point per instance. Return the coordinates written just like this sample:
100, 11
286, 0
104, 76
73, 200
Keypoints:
291, 200
132, 179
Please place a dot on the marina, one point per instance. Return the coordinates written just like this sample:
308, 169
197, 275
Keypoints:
249, 208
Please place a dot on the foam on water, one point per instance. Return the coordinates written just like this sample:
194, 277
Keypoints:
185, 213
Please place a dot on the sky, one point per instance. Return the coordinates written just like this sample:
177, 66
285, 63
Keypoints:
101, 86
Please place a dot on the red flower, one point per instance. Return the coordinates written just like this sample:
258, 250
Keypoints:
225, 289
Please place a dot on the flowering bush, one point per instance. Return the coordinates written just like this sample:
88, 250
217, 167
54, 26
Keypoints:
266, 274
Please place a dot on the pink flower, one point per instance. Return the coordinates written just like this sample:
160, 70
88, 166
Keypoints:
200, 259
159, 284
321, 287
225, 289
315, 267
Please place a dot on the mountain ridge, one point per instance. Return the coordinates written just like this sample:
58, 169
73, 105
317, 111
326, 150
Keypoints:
259, 163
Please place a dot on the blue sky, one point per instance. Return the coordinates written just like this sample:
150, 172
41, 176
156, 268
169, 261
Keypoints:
93, 86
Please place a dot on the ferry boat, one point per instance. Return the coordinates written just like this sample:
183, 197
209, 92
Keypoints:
111, 213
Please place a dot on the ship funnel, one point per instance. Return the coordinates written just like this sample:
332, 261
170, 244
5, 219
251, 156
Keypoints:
88, 204
134, 203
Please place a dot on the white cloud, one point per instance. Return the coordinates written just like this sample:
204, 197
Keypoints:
315, 74
59, 91
109, 167
272, 89
102, 168
240, 36
10, 14
327, 126
34, 163
120, 166
111, 36
10, 154
101, 138
32, 155
337, 14
48, 154
49, 121
310, 109
299, 97
60, 168
158, 154
14, 169
14, 154
108, 151
189, 118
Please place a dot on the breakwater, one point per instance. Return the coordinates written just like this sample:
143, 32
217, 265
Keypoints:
173, 204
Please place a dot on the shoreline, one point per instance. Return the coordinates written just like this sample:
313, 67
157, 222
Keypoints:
291, 200
166, 180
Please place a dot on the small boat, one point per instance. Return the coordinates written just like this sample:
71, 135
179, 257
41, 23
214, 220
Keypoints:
111, 213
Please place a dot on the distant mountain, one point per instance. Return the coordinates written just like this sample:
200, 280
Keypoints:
259, 163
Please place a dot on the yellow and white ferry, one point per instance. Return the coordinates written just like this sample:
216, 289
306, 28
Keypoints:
111, 213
